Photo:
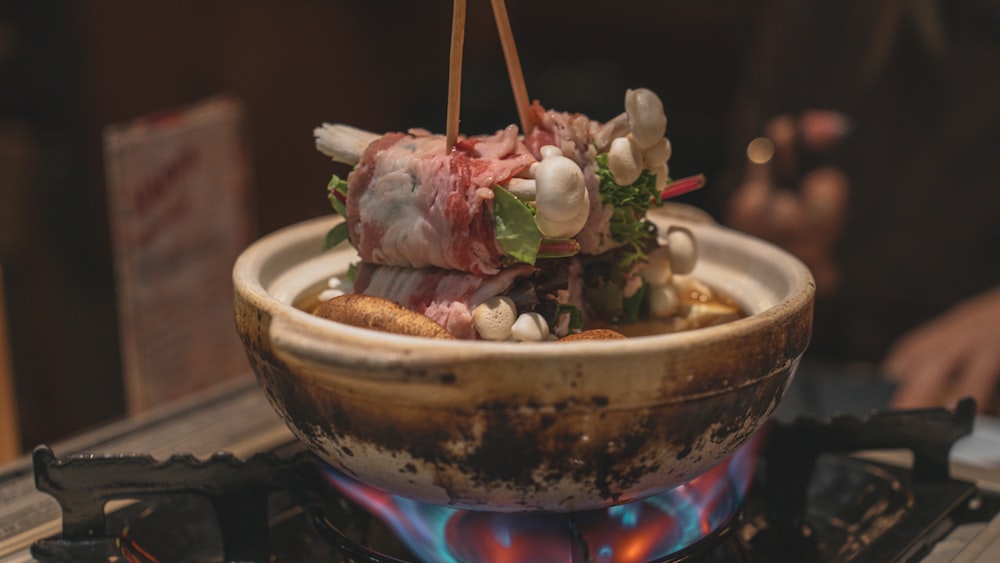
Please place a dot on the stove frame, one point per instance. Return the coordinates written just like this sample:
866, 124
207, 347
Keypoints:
237, 418
239, 490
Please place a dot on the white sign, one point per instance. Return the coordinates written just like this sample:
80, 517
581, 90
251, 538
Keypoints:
179, 195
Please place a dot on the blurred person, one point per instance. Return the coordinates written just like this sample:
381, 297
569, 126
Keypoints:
877, 129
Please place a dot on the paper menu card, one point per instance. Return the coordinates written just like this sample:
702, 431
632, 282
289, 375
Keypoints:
179, 207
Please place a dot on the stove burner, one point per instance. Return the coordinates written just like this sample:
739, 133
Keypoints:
808, 501
653, 529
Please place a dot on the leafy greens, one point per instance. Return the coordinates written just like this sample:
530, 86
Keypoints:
517, 234
337, 193
630, 204
605, 274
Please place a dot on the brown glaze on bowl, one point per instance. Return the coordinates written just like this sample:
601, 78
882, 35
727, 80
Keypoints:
517, 427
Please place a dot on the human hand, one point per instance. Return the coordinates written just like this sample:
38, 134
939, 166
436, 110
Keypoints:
952, 356
805, 219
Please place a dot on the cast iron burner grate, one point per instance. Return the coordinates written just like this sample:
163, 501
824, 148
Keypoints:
809, 502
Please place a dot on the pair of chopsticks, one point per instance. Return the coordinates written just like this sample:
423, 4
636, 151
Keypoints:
455, 68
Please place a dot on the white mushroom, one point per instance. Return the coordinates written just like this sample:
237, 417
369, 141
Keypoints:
522, 188
657, 269
663, 301
616, 127
494, 318
662, 174
624, 160
683, 250
550, 151
559, 188
646, 118
562, 203
529, 172
656, 155
530, 327
563, 229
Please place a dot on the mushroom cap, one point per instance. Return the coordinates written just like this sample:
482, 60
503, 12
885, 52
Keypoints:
493, 318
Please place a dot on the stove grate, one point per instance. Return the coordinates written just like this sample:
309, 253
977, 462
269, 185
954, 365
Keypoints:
789, 507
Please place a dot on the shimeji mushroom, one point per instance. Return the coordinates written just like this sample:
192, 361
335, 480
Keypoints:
562, 203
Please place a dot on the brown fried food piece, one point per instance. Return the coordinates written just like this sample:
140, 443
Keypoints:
594, 334
377, 313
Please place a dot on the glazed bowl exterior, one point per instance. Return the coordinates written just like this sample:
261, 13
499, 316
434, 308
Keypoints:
523, 426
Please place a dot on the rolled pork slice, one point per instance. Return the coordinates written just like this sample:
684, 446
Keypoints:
411, 203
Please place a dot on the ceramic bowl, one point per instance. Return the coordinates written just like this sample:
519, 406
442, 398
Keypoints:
515, 426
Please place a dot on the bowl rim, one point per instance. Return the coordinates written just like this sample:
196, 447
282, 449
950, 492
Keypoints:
319, 332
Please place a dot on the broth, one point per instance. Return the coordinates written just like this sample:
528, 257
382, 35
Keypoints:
697, 310
700, 307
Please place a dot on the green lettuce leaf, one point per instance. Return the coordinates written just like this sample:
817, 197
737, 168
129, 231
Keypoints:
514, 222
335, 236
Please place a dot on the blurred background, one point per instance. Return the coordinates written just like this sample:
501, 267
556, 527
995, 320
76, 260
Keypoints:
70, 69
916, 81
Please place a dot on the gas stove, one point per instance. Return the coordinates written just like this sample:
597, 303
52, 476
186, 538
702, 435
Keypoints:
801, 492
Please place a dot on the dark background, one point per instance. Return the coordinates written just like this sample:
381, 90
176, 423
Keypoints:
69, 69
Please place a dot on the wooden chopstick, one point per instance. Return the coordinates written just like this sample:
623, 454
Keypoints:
513, 66
455, 72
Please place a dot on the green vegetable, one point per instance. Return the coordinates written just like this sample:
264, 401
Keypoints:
575, 317
632, 306
628, 225
514, 222
337, 193
335, 236
604, 274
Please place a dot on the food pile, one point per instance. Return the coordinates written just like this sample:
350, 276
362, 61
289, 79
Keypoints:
513, 237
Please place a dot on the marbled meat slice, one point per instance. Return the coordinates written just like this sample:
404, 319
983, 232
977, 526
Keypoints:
410, 203
446, 296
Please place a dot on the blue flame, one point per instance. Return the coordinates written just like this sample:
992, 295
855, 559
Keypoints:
649, 529
420, 526
625, 514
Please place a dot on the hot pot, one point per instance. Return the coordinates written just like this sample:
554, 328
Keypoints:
516, 426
